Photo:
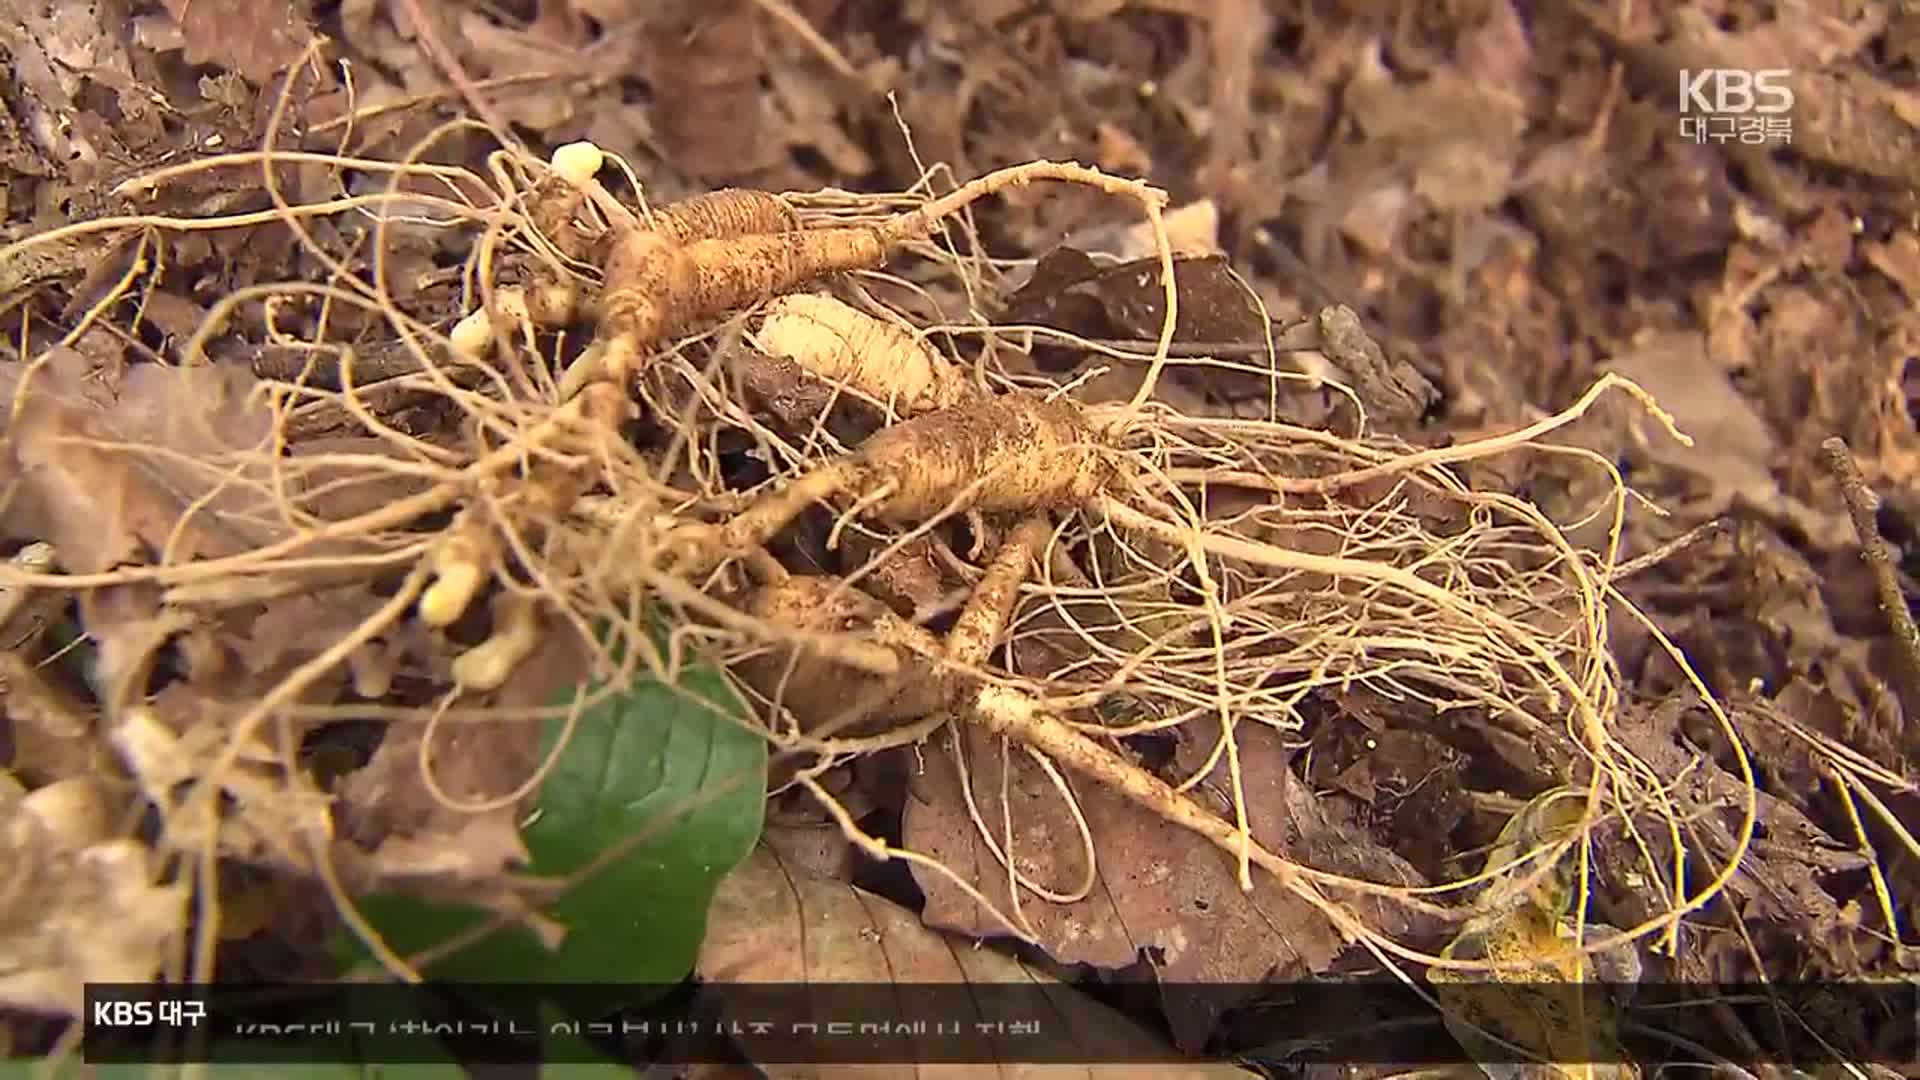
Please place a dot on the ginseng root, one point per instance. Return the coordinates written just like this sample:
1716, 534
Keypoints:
553, 209
1012, 712
726, 214
830, 698
649, 256
656, 287
1015, 453
848, 348
733, 249
516, 634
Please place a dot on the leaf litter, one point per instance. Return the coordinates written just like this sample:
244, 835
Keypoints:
1781, 342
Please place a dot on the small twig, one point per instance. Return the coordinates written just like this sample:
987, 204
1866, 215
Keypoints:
320, 365
1697, 535
1862, 506
1289, 339
450, 66
796, 23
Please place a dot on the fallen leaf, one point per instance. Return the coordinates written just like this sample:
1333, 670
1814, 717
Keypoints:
1780, 884
22, 266
709, 109
1899, 259
1375, 218
257, 38
810, 118
58, 48
773, 923
1572, 1018
268, 818
1118, 152
1733, 447
386, 808
1193, 231
1069, 291
1498, 50
1160, 889
106, 472
75, 917
1448, 107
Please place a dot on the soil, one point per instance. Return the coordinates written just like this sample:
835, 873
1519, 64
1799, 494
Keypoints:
1503, 192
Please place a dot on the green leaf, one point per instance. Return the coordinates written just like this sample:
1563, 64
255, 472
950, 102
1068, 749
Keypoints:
632, 758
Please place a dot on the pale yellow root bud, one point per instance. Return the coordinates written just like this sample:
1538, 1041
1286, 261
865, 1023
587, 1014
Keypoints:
472, 336
577, 162
460, 567
516, 634
73, 811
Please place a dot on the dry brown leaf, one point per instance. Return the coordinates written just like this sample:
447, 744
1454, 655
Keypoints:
77, 917
1375, 218
1088, 10
347, 489
1731, 441
810, 118
1733, 447
1160, 889
22, 267
501, 50
270, 818
1498, 50
844, 934
386, 807
105, 472
257, 38
1236, 32
58, 47
1448, 107
1193, 231
709, 111
1899, 259
608, 12
1778, 883
1117, 151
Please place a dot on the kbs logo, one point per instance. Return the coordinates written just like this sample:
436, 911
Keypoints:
1735, 91
123, 1013
115, 1013
1723, 104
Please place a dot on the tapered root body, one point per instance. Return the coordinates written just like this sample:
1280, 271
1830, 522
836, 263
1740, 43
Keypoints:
990, 607
722, 275
844, 346
725, 214
641, 272
823, 694
655, 287
1017, 453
